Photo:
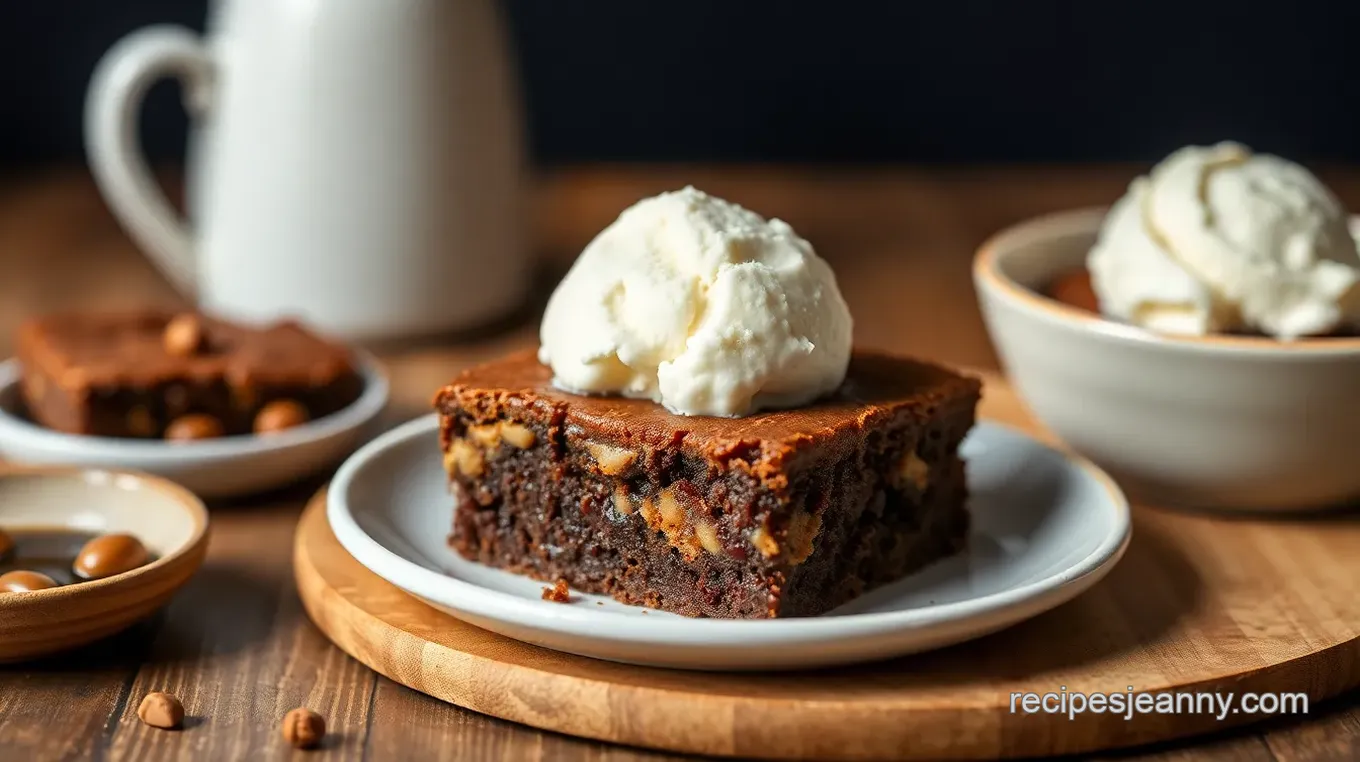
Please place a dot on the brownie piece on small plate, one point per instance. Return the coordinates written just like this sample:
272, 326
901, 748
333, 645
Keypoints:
146, 374
778, 514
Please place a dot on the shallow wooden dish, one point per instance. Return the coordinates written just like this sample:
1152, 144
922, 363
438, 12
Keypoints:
168, 519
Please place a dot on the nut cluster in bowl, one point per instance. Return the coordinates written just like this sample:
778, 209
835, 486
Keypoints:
33, 560
1220, 376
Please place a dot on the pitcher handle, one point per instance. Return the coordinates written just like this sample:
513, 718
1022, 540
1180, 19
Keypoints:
112, 105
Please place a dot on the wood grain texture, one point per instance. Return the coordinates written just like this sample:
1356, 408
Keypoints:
236, 646
1195, 606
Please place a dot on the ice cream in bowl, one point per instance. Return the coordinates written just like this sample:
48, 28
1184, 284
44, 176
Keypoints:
1200, 338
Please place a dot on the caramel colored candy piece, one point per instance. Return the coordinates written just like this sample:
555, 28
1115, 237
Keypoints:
304, 728
280, 415
161, 710
110, 554
183, 335
195, 426
6, 545
25, 581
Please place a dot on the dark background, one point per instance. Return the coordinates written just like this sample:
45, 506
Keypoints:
803, 80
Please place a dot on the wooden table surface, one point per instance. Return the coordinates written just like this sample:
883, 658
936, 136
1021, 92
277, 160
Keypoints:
236, 646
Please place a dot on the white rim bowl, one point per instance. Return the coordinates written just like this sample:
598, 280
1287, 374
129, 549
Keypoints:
1220, 422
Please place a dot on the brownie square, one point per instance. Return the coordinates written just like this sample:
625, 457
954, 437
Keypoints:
113, 375
779, 514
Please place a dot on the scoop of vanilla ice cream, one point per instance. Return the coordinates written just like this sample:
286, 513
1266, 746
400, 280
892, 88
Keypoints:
1219, 239
702, 306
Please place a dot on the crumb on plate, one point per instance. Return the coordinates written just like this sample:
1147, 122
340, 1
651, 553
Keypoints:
558, 593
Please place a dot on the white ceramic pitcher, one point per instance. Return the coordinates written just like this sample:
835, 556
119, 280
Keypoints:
355, 164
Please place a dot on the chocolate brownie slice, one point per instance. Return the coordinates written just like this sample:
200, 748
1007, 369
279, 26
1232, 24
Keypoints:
135, 374
779, 514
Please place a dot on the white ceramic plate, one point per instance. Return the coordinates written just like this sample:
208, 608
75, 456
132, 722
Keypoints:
1046, 528
215, 468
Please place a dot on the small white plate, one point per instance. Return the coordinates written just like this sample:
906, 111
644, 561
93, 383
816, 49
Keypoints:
1046, 527
212, 468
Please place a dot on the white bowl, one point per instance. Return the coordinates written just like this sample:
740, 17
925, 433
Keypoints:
213, 468
1224, 422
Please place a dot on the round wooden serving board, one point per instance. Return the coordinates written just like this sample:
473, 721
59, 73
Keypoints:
1198, 604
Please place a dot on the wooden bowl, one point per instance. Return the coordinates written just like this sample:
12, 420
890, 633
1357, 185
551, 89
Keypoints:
169, 520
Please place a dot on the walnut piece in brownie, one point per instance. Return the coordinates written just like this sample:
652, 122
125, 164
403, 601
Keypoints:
778, 514
177, 376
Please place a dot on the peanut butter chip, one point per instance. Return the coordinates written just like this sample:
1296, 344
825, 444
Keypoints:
672, 515
708, 537
764, 542
914, 471
517, 434
25, 581
465, 458
649, 514
161, 710
622, 502
183, 335
280, 415
188, 428
488, 435
304, 728
110, 554
672, 519
802, 534
611, 460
